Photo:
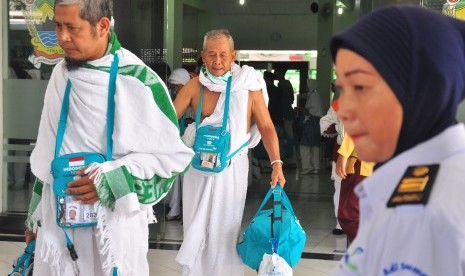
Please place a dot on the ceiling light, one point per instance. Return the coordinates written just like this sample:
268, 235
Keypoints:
340, 10
241, 2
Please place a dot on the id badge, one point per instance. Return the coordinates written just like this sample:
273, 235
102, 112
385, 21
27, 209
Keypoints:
209, 160
73, 213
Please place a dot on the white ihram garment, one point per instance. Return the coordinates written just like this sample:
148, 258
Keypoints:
141, 158
214, 203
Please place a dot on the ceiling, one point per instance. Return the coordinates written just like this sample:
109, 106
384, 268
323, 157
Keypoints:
259, 7
289, 7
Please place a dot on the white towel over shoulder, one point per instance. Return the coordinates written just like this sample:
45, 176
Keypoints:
244, 79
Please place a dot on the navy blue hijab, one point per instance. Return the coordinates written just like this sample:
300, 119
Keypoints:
421, 55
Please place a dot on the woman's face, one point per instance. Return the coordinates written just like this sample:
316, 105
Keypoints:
368, 108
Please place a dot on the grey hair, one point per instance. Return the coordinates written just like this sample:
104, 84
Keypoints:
91, 10
216, 34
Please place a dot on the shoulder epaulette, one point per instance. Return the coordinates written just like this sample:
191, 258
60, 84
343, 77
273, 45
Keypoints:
415, 186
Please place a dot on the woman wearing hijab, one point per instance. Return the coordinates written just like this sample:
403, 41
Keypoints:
401, 72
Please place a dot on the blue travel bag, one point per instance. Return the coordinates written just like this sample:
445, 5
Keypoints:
273, 230
24, 266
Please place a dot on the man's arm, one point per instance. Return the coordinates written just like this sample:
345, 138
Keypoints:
31, 223
261, 117
184, 98
341, 164
344, 151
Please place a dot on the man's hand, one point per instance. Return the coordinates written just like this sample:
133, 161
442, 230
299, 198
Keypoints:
30, 236
277, 175
341, 166
83, 188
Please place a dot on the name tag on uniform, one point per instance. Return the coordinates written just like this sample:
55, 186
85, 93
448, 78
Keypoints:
415, 186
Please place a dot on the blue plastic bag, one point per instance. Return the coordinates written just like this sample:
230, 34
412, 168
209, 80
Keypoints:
270, 224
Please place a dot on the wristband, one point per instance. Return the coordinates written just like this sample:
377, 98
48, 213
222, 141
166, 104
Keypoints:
276, 161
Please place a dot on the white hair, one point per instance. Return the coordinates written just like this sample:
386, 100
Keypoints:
216, 34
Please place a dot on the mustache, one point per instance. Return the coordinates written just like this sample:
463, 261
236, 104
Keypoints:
73, 64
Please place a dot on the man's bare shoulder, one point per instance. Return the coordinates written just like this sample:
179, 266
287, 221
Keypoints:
256, 95
192, 86
256, 101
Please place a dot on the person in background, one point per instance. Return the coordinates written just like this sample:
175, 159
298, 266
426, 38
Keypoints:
310, 140
178, 78
400, 70
147, 150
275, 99
352, 171
162, 69
213, 203
260, 163
197, 68
330, 126
287, 100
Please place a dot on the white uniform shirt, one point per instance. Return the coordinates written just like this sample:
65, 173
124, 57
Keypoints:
413, 239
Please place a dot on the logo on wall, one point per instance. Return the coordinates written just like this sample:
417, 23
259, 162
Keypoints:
38, 16
455, 9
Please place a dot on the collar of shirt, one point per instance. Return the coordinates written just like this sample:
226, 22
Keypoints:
376, 189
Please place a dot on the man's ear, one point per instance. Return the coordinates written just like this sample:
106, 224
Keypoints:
202, 55
103, 27
233, 54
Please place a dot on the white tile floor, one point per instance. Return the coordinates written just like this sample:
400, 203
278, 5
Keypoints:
162, 262
311, 197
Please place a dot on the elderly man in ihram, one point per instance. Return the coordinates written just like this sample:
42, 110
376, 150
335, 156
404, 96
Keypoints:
214, 201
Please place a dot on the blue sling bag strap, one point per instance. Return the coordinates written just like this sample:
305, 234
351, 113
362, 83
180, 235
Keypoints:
70, 213
226, 107
211, 144
63, 119
110, 111
199, 108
